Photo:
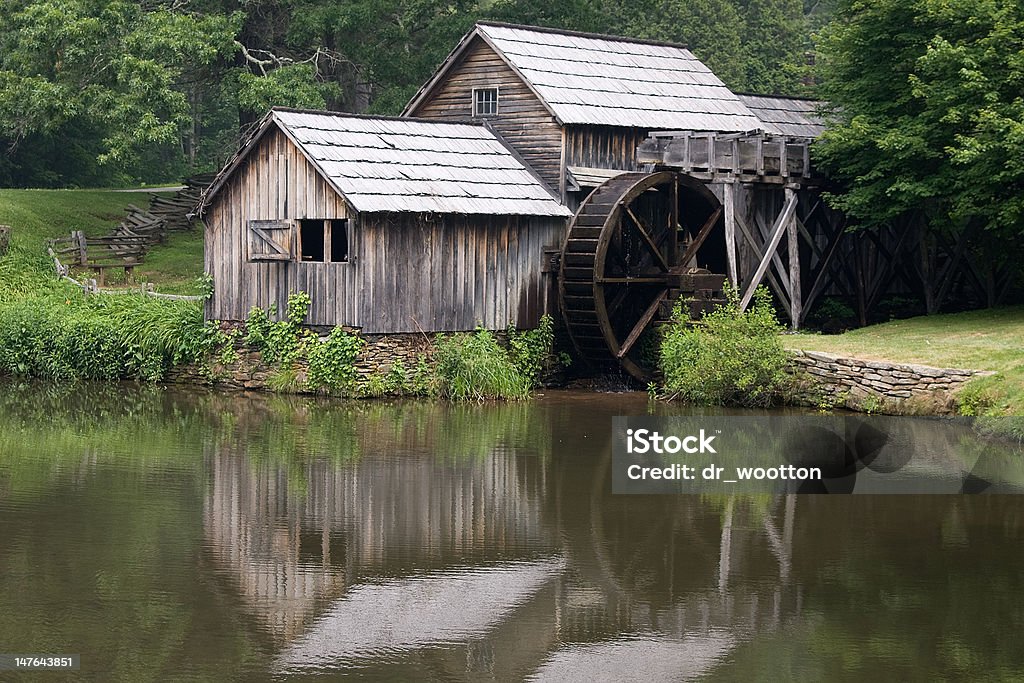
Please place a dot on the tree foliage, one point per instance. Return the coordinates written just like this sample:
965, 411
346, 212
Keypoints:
927, 110
95, 92
118, 65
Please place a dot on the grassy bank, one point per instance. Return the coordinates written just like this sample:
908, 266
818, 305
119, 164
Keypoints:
991, 339
49, 328
39, 215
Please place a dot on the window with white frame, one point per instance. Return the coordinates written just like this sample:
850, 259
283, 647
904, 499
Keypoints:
485, 102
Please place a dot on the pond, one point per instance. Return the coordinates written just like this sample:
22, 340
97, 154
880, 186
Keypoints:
171, 534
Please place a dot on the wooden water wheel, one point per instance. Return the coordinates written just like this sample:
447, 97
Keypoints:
630, 252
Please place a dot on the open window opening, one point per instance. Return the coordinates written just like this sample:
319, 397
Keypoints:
324, 241
312, 237
485, 101
338, 233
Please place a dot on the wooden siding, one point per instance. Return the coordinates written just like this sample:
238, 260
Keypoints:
274, 181
407, 271
454, 272
522, 119
603, 147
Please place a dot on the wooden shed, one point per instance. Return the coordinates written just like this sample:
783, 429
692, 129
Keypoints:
577, 105
391, 225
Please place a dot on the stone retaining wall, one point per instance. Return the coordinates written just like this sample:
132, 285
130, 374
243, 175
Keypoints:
878, 386
379, 353
249, 371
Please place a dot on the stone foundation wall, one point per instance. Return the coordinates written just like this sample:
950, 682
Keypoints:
378, 355
249, 372
878, 386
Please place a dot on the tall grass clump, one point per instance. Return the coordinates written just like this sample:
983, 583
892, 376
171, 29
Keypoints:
728, 357
476, 367
50, 329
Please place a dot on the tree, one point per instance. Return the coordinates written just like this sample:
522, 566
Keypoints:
927, 112
775, 38
114, 66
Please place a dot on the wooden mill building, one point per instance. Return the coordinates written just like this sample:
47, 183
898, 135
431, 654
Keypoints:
390, 225
576, 105
538, 171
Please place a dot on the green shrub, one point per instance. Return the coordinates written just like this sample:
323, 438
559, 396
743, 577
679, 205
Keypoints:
278, 341
530, 350
474, 366
332, 362
729, 357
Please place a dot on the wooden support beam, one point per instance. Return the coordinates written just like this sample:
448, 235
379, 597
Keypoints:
748, 240
885, 275
691, 250
673, 224
927, 274
773, 243
824, 267
858, 263
646, 237
729, 202
761, 223
793, 244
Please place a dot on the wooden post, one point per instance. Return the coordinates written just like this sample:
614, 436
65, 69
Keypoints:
793, 240
773, 243
79, 236
729, 202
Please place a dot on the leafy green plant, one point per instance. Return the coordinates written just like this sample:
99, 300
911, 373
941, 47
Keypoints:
475, 367
283, 343
974, 400
332, 361
530, 350
872, 404
278, 341
729, 357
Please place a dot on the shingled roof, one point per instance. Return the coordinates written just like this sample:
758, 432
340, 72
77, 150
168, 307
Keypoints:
409, 165
786, 115
601, 80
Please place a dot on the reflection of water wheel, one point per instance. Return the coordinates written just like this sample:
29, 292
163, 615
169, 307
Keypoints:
630, 252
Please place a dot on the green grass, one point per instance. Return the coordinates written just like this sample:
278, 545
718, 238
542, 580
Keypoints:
38, 215
990, 339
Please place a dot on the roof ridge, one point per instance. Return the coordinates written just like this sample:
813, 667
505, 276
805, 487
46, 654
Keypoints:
801, 98
378, 117
582, 34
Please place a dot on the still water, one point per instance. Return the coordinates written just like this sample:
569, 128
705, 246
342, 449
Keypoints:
175, 535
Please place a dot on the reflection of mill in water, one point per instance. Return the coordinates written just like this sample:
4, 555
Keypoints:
509, 565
